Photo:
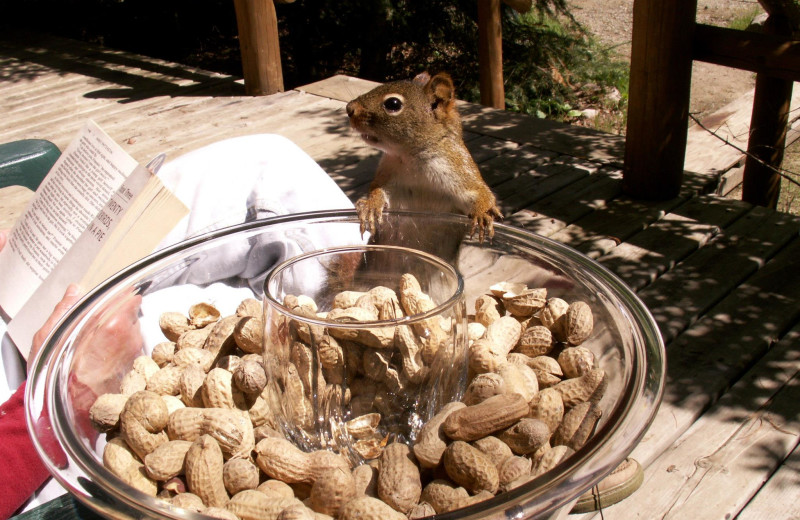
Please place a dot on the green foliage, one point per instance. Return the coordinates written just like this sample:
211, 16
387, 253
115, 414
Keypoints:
745, 18
553, 66
547, 56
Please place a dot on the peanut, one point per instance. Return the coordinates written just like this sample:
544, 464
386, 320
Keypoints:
282, 460
484, 386
368, 508
399, 482
202, 314
525, 302
578, 323
173, 324
121, 461
444, 496
469, 467
249, 307
525, 436
497, 450
105, 411
589, 387
204, 471
548, 407
276, 488
332, 490
239, 474
163, 353
249, 334
142, 422
431, 441
188, 501
537, 340
479, 420
220, 513
230, 428
255, 505
513, 469
166, 461
365, 477
575, 361
577, 426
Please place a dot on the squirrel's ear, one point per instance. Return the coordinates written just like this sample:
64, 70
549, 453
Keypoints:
441, 92
421, 79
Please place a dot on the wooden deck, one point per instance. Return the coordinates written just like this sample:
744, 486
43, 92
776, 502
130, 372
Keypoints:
721, 277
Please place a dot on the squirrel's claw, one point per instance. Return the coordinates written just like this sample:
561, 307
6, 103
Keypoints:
483, 223
369, 215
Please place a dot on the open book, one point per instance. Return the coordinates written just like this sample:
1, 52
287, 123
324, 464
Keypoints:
96, 212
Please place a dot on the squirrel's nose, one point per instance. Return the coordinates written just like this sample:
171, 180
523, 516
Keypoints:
352, 109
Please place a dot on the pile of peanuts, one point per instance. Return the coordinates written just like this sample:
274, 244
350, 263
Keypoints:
193, 424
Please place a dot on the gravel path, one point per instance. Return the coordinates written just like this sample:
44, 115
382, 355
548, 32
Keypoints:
712, 86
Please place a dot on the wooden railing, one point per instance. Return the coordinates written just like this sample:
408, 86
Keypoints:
666, 40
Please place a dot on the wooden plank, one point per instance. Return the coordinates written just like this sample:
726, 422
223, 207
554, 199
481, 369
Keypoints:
707, 154
343, 88
565, 139
645, 256
562, 138
484, 147
719, 348
556, 211
682, 295
537, 183
69, 55
13, 201
514, 163
778, 498
61, 124
602, 230
719, 463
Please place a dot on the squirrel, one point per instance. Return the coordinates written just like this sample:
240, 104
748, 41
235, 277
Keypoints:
425, 165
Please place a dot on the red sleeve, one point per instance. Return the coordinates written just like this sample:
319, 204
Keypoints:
19, 462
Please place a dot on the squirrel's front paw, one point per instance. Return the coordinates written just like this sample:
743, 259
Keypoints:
370, 212
483, 222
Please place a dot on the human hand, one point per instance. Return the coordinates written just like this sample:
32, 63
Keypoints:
105, 349
70, 298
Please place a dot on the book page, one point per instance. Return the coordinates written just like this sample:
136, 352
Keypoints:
138, 215
78, 186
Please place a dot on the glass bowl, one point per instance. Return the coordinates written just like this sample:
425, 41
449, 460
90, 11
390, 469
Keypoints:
93, 347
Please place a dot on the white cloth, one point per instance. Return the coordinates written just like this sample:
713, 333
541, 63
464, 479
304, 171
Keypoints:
223, 184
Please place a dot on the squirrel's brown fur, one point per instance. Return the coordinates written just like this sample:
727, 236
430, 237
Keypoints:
425, 165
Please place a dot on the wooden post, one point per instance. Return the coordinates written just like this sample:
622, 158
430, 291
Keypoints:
768, 126
490, 54
258, 41
658, 100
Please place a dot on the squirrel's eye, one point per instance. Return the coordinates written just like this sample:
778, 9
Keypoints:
393, 104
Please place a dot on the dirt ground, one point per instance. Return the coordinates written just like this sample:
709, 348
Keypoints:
712, 86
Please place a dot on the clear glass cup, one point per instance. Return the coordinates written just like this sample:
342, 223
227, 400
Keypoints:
370, 337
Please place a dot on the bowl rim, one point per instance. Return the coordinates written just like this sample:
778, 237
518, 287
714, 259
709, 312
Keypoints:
642, 391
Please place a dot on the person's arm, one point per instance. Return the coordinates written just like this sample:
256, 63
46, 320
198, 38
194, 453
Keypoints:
19, 463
